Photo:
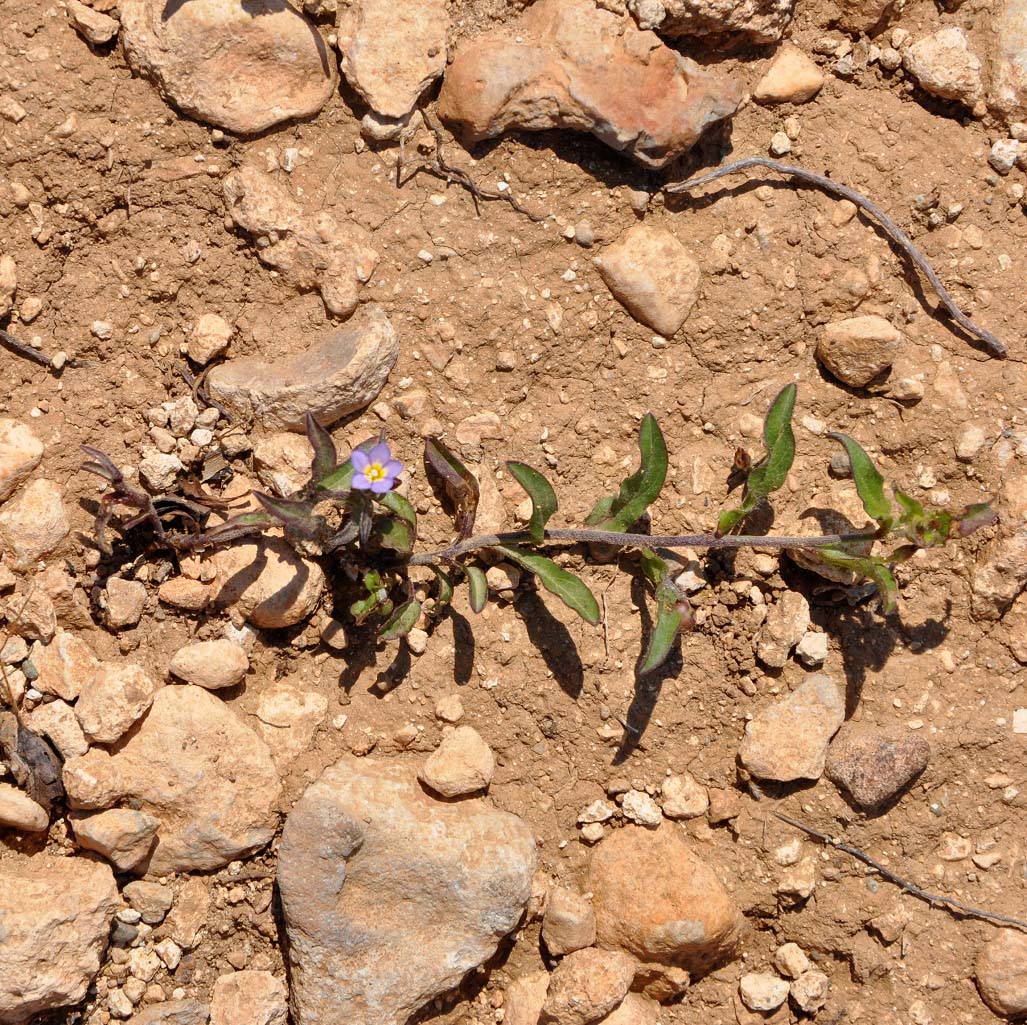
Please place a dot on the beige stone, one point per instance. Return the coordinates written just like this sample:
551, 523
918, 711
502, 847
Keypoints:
189, 913
1002, 973
123, 602
289, 716
569, 923
858, 349
249, 998
20, 453
791, 78
8, 268
33, 524
112, 700
56, 720
210, 664
282, 462
683, 797
93, 26
65, 665
944, 65
123, 836
183, 593
524, 999
586, 986
19, 811
209, 338
786, 624
759, 21
462, 764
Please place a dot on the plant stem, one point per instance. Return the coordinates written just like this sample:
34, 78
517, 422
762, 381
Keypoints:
609, 537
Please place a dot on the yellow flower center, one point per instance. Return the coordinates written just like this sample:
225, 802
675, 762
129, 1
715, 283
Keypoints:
375, 472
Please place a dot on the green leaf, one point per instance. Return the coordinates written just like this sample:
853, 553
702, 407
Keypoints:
478, 586
398, 531
887, 589
445, 586
543, 498
730, 518
869, 483
673, 613
363, 607
872, 567
401, 621
621, 511
325, 456
571, 590
912, 510
296, 516
654, 568
340, 480
458, 482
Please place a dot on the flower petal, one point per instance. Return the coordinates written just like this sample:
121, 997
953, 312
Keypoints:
393, 468
361, 483
381, 453
359, 460
379, 487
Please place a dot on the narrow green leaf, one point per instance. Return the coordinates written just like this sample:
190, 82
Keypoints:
870, 566
637, 492
869, 483
458, 482
401, 621
571, 590
325, 456
398, 531
654, 568
445, 595
672, 616
296, 516
543, 497
887, 589
478, 587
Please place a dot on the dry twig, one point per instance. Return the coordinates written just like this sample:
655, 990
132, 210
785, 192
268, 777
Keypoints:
915, 891
901, 239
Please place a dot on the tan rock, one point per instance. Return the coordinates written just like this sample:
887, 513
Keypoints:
586, 986
569, 64
123, 602
569, 922
865, 15
240, 67
56, 720
462, 764
683, 797
791, 78
173, 1012
69, 600
210, 664
20, 453
1007, 94
183, 593
193, 765
93, 26
31, 614
1002, 973
33, 524
8, 268
209, 338
189, 913
686, 921
653, 276
112, 700
267, 582
944, 65
282, 462
309, 251
249, 998
56, 915
759, 21
786, 624
289, 716
152, 900
634, 1009
65, 665
858, 349
19, 811
524, 999
392, 52
789, 739
1000, 575
125, 837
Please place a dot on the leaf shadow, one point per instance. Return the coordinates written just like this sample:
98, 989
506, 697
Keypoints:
554, 643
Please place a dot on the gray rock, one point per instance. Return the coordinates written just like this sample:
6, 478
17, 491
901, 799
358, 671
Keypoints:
390, 896
341, 373
173, 1012
874, 767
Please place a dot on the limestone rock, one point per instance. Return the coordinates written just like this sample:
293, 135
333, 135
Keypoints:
249, 998
56, 721
123, 602
858, 349
8, 268
791, 78
683, 797
390, 896
65, 665
93, 26
1008, 89
152, 900
210, 664
209, 338
392, 52
33, 524
570, 64
243, 67
341, 373
1002, 973
282, 462
653, 276
20, 453
289, 716
309, 251
759, 21
586, 986
686, 921
183, 593
19, 811
189, 913
762, 991
944, 65
123, 836
193, 765
788, 740
525, 997
786, 623
30, 614
114, 698
634, 1009
569, 922
173, 1012
866, 15
1000, 575
462, 764
56, 915
810, 990
267, 582
874, 767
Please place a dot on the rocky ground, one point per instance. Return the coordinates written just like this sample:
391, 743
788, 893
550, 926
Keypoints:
219, 799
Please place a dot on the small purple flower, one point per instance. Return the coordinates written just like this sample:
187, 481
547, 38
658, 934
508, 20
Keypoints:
376, 470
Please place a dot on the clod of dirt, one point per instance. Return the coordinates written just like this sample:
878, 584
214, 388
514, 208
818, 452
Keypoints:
569, 922
20, 452
240, 67
249, 998
858, 349
462, 764
873, 767
57, 913
759, 21
210, 664
586, 986
390, 896
791, 78
309, 251
788, 740
1002, 973
123, 836
392, 52
33, 524
569, 64
339, 374
687, 919
944, 65
195, 766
